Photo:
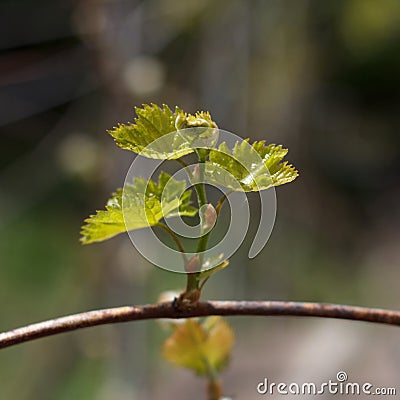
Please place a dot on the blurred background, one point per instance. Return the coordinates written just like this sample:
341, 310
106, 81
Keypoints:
320, 77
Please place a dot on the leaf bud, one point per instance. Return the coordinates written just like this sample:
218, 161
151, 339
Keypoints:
210, 216
193, 265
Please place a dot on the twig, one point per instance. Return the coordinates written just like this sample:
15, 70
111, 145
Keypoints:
167, 310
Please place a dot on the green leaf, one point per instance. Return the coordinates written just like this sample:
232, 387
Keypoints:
139, 205
157, 132
249, 167
204, 348
206, 273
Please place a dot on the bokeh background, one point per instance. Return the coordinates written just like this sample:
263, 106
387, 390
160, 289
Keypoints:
320, 77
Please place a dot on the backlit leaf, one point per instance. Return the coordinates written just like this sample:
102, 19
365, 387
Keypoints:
161, 133
249, 167
202, 347
139, 205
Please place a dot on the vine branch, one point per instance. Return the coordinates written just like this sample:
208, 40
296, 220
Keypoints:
201, 309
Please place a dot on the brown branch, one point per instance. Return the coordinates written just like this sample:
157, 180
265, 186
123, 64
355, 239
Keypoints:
167, 310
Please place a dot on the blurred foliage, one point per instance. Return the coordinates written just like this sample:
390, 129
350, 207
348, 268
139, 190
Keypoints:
203, 347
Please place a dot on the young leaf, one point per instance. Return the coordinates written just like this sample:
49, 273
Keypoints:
148, 135
206, 273
139, 205
204, 348
249, 167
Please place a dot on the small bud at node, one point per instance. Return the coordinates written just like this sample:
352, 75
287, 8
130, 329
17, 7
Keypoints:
210, 216
193, 265
196, 173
